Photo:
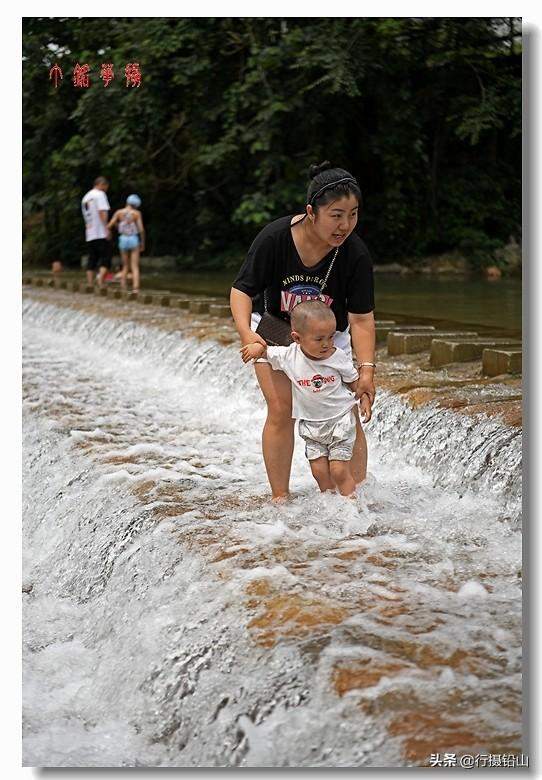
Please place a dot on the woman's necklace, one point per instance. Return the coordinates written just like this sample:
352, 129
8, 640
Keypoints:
309, 245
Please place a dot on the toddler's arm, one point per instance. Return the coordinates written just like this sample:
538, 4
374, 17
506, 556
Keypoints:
253, 351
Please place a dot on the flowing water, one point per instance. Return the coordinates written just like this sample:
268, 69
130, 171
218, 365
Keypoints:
173, 617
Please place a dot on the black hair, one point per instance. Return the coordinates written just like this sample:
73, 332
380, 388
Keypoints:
100, 180
328, 183
308, 311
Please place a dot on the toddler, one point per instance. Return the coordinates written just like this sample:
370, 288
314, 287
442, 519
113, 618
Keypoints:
323, 393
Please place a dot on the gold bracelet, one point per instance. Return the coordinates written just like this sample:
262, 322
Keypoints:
373, 365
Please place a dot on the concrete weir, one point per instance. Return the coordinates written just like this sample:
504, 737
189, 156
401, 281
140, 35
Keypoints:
444, 351
406, 343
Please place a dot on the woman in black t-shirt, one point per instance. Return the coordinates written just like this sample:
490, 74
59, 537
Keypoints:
289, 261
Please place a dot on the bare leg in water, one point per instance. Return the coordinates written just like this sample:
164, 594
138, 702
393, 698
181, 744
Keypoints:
134, 265
278, 431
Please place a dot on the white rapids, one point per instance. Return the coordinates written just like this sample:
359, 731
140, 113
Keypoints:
174, 618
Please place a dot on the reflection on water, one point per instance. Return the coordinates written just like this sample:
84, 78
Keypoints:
490, 305
177, 619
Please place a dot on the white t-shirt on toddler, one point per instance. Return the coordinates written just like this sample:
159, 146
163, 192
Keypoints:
91, 205
318, 389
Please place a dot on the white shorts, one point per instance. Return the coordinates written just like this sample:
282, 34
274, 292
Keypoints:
333, 439
341, 338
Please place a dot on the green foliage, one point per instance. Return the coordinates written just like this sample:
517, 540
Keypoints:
231, 112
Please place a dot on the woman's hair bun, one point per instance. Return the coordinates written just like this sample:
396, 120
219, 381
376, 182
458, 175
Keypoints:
314, 170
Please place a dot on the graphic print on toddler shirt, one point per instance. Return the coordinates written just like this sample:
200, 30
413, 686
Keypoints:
317, 382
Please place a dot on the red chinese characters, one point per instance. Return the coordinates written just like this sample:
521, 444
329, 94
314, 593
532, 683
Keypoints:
133, 74
81, 75
106, 74
56, 73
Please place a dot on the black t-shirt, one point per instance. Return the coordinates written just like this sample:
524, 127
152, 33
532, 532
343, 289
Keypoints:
273, 265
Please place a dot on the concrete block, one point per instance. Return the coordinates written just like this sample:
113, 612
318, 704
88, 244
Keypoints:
501, 361
400, 343
27, 280
37, 281
89, 289
219, 310
384, 323
200, 306
165, 300
181, 303
444, 351
50, 283
145, 297
116, 294
75, 286
382, 332
102, 292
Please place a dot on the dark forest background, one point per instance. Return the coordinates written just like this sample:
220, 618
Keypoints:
426, 113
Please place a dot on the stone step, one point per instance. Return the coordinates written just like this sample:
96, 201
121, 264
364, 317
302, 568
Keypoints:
384, 323
382, 332
201, 305
220, 310
125, 295
180, 302
501, 361
444, 351
400, 343
146, 298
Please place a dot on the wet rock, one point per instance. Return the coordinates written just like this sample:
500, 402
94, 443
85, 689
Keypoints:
510, 256
390, 268
492, 272
448, 263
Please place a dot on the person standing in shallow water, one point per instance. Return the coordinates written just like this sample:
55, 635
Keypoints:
129, 224
95, 209
287, 263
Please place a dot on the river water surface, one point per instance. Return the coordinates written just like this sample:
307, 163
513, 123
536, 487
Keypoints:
175, 618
